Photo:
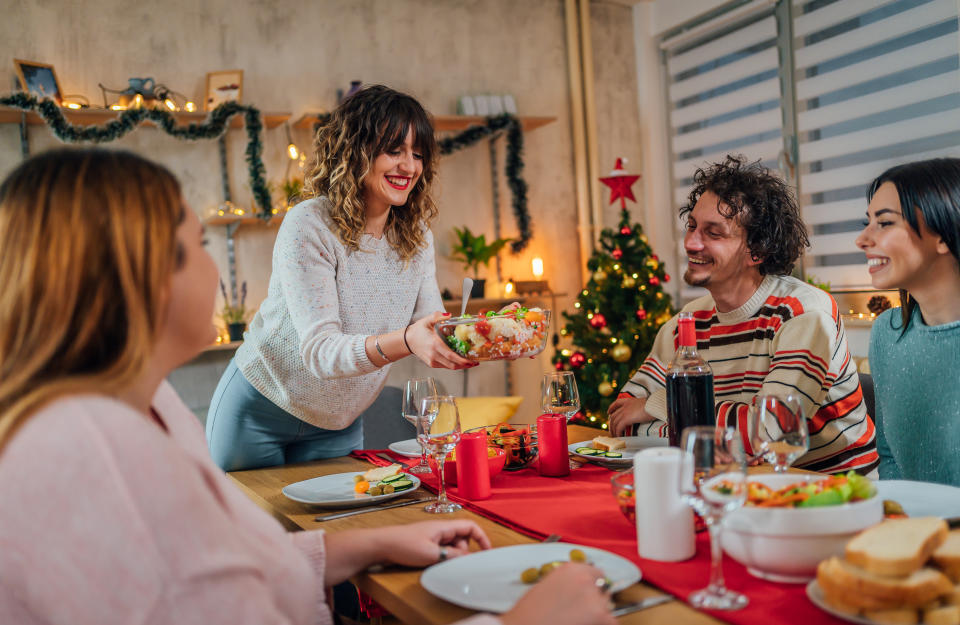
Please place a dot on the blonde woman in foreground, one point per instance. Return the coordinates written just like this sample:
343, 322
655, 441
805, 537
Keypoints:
113, 511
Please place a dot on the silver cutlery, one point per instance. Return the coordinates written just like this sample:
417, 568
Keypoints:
552, 538
649, 602
465, 295
343, 515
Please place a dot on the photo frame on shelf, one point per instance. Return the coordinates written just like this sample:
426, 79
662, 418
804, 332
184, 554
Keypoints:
223, 86
39, 79
466, 106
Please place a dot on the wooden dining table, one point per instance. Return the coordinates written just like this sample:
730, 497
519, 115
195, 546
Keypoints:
398, 589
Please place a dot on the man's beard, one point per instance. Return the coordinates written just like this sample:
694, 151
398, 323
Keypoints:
704, 281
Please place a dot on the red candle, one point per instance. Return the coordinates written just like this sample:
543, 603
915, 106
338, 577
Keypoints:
552, 440
473, 466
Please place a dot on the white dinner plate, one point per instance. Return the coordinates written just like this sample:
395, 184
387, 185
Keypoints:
815, 594
634, 444
490, 580
409, 448
922, 498
336, 491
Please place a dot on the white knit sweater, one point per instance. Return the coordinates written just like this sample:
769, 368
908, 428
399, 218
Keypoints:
304, 350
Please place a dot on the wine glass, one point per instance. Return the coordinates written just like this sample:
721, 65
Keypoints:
713, 481
438, 430
559, 394
416, 391
777, 430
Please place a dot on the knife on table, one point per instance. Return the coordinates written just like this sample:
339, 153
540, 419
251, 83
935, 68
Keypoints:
343, 515
640, 605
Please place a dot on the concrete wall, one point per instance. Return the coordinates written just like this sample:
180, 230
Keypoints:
295, 56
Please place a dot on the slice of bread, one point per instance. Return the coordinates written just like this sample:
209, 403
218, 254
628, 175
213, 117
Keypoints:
839, 603
871, 591
947, 555
608, 444
897, 547
895, 616
377, 474
945, 615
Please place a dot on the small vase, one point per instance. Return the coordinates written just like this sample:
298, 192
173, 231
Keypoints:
479, 286
235, 330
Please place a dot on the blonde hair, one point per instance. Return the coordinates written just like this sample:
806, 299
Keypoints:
89, 246
372, 121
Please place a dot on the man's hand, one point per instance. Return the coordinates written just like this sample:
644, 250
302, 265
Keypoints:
626, 411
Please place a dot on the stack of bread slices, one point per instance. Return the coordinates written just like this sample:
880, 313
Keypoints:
902, 571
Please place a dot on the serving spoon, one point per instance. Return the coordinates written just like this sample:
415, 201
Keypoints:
465, 297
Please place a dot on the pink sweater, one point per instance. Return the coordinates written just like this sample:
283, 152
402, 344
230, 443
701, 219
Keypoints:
105, 518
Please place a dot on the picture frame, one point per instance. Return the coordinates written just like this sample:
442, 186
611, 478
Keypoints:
39, 79
223, 86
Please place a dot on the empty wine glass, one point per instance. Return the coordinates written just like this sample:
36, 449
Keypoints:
559, 394
416, 391
713, 481
438, 429
777, 430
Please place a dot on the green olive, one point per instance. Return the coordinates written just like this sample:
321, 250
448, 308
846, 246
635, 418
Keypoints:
375, 490
358, 478
549, 566
387, 489
576, 555
530, 576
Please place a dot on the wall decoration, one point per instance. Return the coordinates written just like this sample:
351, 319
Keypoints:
38, 79
127, 121
225, 86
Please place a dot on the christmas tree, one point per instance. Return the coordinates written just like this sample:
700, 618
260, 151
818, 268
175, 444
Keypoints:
617, 314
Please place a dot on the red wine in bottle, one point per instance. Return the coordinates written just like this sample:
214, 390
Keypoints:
689, 385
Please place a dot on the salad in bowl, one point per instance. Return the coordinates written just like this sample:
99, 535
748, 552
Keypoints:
503, 335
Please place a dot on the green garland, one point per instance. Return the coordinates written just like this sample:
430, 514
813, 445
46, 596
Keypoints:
514, 163
127, 121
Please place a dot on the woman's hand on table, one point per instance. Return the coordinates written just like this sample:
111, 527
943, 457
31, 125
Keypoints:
430, 348
429, 542
624, 412
569, 595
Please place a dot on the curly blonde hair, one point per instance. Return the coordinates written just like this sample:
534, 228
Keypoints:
372, 121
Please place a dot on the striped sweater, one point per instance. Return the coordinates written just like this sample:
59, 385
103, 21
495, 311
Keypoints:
787, 338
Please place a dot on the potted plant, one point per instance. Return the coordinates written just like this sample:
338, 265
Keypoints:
234, 315
472, 251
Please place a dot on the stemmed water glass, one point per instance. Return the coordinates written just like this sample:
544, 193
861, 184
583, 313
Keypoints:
559, 394
438, 430
713, 481
777, 430
416, 391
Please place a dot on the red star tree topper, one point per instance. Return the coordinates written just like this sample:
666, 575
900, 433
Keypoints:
620, 183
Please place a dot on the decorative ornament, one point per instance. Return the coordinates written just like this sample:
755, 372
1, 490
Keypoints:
643, 238
617, 254
605, 389
577, 360
653, 263
598, 321
559, 366
641, 314
654, 281
629, 282
620, 182
599, 275
621, 353
625, 231
878, 304
666, 277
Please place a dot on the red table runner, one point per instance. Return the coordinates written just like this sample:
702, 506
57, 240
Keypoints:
582, 509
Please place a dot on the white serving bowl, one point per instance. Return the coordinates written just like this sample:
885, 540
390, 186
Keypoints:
786, 544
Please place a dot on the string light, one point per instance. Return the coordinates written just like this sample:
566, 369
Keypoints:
190, 107
593, 418
564, 352
613, 340
585, 292
170, 104
73, 105
634, 276
576, 304
117, 107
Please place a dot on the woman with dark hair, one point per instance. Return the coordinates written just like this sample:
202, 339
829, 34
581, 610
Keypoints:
353, 289
113, 512
912, 242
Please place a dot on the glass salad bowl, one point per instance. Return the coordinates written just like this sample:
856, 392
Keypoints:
504, 335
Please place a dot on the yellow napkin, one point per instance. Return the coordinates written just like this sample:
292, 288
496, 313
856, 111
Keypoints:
478, 412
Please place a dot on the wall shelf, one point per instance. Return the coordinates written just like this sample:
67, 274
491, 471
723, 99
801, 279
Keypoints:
447, 123
89, 117
242, 220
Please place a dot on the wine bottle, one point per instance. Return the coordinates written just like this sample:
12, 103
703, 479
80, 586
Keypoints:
689, 384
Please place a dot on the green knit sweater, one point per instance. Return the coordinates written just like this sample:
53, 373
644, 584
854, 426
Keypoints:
917, 382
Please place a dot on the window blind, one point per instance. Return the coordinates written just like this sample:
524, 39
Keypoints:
877, 84
724, 98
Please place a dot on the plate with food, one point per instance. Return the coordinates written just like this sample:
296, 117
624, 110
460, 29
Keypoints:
615, 451
504, 335
900, 571
409, 448
493, 580
905, 497
353, 490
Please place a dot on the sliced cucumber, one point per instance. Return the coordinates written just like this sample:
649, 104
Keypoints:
401, 485
589, 451
393, 478
613, 454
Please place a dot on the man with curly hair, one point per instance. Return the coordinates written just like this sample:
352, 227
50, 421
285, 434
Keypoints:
762, 330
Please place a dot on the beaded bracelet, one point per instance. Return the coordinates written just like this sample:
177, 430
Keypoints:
405, 339
376, 343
